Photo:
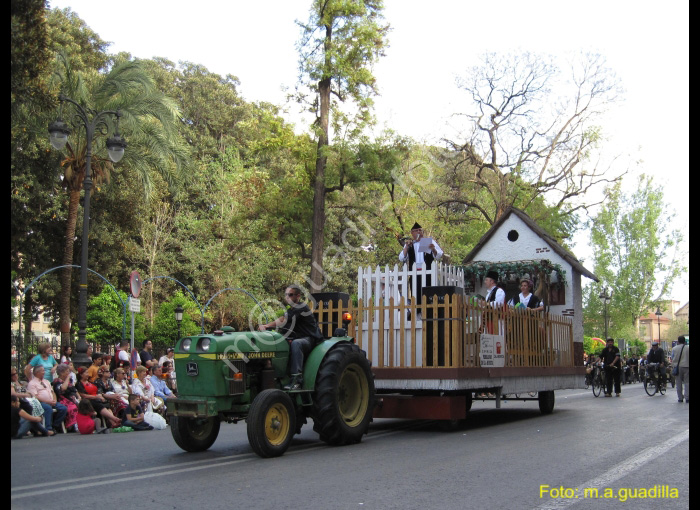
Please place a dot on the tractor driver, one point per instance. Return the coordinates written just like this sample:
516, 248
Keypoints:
302, 333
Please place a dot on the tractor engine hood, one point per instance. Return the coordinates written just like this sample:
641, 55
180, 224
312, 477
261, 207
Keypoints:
233, 345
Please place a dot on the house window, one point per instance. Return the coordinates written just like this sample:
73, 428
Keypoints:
557, 294
513, 236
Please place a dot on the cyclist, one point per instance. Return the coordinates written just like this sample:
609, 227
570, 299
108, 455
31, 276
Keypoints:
657, 355
610, 356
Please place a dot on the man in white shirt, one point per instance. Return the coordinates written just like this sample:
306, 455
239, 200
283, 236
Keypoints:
494, 295
421, 259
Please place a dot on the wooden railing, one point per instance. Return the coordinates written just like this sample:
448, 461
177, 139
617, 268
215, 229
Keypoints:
448, 333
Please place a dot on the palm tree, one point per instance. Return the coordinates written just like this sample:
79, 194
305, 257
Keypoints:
149, 122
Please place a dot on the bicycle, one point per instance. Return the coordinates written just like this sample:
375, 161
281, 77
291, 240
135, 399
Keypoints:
652, 384
598, 380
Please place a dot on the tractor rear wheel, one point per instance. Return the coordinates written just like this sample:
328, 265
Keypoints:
344, 395
194, 434
271, 423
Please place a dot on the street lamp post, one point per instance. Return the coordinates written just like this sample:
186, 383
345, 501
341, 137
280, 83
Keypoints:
178, 318
58, 134
605, 298
658, 320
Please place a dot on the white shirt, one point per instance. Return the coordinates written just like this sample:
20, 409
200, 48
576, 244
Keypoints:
420, 259
125, 356
524, 300
165, 358
500, 296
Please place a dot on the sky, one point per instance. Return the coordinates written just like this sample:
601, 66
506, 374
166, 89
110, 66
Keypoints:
645, 43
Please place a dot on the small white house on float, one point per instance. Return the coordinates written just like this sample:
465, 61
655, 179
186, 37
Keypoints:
515, 242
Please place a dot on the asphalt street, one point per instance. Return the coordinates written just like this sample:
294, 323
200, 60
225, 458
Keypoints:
636, 447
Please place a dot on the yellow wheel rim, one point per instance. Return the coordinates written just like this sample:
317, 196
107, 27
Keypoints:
353, 395
277, 424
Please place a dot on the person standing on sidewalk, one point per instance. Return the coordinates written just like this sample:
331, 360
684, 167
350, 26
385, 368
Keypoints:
681, 357
613, 367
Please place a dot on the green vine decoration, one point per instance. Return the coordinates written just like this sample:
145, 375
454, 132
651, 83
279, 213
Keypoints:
517, 268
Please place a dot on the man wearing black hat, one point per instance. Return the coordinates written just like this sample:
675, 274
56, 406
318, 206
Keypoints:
422, 260
495, 295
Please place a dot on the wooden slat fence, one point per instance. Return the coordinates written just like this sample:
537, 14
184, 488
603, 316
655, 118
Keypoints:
447, 334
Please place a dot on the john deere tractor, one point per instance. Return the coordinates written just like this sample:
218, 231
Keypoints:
230, 376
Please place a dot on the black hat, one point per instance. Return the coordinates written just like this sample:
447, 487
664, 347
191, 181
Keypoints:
493, 275
415, 226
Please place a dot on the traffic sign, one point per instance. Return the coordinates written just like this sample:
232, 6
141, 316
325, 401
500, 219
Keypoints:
135, 283
134, 305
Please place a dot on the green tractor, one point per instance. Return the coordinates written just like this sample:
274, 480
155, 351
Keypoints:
230, 376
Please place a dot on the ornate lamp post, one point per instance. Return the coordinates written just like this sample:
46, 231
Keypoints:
178, 318
605, 298
658, 320
59, 131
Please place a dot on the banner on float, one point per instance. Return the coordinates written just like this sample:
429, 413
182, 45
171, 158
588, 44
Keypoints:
493, 350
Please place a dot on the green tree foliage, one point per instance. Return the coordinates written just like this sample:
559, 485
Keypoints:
163, 332
339, 44
243, 218
106, 319
149, 121
30, 55
635, 255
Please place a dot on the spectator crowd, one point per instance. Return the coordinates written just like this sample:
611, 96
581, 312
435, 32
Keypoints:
109, 395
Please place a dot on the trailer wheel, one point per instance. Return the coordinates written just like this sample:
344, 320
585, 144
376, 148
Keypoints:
546, 401
271, 423
344, 395
194, 434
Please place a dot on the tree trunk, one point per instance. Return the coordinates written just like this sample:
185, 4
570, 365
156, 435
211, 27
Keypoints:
66, 273
319, 217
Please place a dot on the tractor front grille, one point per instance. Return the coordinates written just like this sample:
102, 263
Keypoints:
236, 386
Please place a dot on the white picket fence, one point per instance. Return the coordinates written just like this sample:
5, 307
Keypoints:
376, 287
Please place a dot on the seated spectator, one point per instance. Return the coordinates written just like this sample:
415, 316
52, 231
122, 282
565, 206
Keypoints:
121, 385
169, 376
160, 389
96, 364
88, 391
168, 356
107, 361
141, 386
88, 422
22, 421
73, 377
106, 389
67, 353
17, 388
54, 412
127, 373
67, 395
133, 416
45, 359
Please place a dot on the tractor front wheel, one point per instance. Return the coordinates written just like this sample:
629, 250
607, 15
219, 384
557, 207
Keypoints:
194, 434
271, 423
344, 395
